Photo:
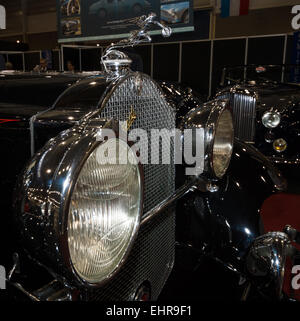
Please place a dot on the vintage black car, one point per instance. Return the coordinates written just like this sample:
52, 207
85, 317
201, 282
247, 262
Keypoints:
266, 111
78, 223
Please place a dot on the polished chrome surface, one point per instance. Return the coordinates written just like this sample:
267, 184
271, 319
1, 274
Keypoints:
291, 232
104, 212
53, 291
48, 182
28, 294
142, 35
266, 260
243, 104
139, 93
208, 118
115, 62
16, 266
190, 186
271, 119
223, 143
45, 192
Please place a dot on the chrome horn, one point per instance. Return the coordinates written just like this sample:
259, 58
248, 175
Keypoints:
116, 62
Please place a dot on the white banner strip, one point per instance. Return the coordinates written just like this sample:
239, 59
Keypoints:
2, 17
235, 7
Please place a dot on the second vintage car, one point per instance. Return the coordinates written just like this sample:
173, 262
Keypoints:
266, 111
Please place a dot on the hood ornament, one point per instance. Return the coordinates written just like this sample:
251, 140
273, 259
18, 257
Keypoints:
115, 62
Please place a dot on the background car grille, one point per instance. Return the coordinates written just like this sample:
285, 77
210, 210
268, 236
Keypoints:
139, 93
151, 260
244, 115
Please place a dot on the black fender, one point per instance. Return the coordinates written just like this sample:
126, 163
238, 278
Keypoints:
183, 98
226, 222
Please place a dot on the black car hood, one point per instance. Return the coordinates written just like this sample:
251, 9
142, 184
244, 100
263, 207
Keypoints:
18, 111
23, 95
278, 97
34, 91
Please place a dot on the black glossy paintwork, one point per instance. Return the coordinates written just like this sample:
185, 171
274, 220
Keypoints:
34, 89
84, 95
76, 102
284, 99
226, 222
182, 98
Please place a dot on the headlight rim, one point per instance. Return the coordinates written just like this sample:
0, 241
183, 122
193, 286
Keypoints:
218, 109
206, 116
232, 143
64, 217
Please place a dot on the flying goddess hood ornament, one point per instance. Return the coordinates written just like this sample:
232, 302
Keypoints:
115, 62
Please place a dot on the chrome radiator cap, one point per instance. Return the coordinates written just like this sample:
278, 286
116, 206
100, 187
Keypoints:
116, 63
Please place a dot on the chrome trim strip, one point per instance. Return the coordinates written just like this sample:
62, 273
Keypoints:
28, 294
190, 186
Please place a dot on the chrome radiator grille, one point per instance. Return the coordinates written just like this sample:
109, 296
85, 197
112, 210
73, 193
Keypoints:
140, 94
244, 115
151, 259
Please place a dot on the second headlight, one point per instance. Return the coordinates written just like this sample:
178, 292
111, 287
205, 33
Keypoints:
223, 143
271, 119
215, 119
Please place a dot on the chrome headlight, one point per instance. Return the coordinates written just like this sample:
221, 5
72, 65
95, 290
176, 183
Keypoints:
271, 119
104, 214
79, 216
215, 119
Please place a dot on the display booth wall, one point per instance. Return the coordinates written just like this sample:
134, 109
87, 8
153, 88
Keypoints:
197, 63
27, 60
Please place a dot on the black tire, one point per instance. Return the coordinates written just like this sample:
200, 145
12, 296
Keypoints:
185, 17
137, 10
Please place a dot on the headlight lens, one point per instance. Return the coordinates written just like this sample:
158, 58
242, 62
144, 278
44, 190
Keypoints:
271, 119
104, 215
223, 143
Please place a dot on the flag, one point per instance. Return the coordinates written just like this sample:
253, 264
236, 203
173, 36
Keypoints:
234, 8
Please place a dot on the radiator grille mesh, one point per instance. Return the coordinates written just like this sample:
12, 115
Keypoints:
151, 260
139, 93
